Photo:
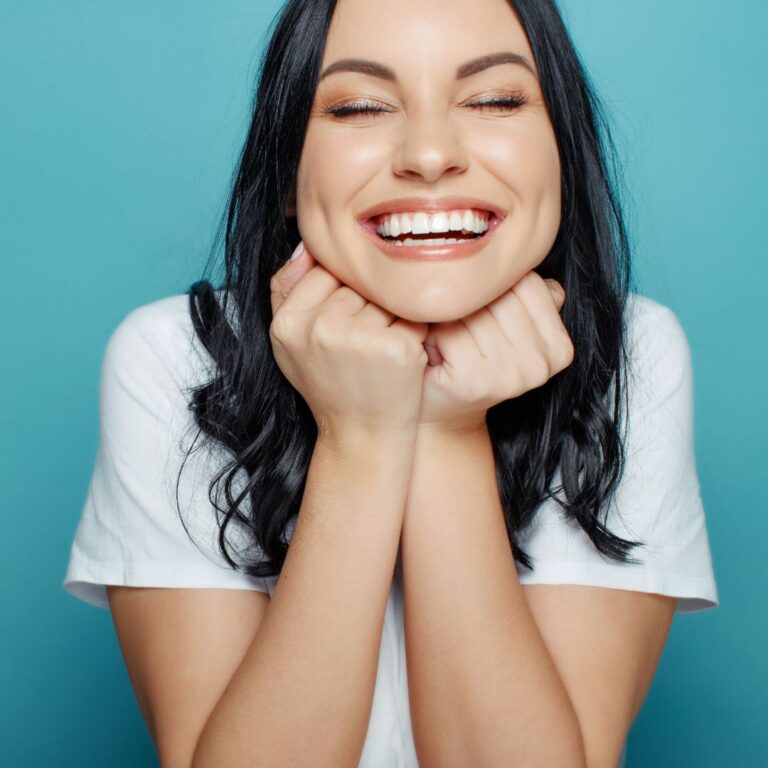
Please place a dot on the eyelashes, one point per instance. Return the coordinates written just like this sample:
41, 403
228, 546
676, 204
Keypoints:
374, 109
500, 102
356, 108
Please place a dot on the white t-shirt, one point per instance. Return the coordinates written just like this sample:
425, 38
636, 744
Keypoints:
130, 532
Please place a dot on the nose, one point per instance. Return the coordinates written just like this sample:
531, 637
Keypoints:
430, 147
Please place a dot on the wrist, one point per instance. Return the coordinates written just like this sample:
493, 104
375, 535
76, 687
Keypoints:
469, 426
440, 445
360, 440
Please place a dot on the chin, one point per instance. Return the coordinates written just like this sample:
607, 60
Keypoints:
427, 312
433, 304
439, 303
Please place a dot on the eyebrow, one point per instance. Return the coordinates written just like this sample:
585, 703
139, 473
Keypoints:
472, 67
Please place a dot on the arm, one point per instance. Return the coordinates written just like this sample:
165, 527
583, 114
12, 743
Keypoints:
502, 674
181, 647
483, 689
303, 692
238, 679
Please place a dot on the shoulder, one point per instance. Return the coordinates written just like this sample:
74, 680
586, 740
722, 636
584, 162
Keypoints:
165, 322
653, 329
155, 345
650, 324
658, 351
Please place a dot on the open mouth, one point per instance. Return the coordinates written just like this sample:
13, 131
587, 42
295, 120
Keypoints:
434, 228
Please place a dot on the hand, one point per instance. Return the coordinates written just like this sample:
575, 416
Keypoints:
515, 344
357, 366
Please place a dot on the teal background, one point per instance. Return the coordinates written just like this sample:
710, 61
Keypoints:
119, 127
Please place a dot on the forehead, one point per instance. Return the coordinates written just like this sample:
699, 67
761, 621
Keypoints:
410, 35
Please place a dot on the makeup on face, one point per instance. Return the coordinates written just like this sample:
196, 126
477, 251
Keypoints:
429, 180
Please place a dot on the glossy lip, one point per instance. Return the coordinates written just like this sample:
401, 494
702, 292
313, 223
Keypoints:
367, 220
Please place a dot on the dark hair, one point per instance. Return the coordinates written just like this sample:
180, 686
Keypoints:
572, 422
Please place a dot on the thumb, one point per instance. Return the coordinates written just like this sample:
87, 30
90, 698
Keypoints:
285, 279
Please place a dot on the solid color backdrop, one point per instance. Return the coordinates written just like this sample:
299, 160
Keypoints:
119, 128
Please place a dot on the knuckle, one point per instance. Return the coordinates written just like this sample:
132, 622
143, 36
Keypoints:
322, 332
345, 292
514, 383
568, 353
397, 350
275, 283
281, 327
405, 345
557, 290
358, 338
361, 342
539, 371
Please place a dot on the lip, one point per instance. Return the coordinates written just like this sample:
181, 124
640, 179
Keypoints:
431, 252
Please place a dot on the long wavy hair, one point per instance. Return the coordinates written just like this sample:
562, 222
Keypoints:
571, 422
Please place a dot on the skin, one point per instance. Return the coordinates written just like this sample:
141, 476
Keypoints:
489, 313
417, 352
430, 142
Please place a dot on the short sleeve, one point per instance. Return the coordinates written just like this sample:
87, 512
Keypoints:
131, 531
658, 500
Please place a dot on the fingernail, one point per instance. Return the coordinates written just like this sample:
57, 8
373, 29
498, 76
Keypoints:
297, 251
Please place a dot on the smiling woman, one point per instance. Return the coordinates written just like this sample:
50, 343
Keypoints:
434, 437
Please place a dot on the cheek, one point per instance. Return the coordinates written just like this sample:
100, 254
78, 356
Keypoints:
524, 157
335, 163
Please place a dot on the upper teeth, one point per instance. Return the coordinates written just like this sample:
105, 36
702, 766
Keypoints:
420, 223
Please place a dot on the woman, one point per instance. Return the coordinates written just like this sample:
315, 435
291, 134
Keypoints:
449, 403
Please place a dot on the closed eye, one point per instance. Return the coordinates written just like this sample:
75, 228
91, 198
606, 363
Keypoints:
373, 108
356, 108
500, 103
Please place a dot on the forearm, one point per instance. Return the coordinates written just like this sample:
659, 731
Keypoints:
303, 692
483, 688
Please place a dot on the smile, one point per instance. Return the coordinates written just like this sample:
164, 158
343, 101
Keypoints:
435, 231
466, 224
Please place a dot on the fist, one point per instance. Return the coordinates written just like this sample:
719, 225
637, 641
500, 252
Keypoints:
513, 345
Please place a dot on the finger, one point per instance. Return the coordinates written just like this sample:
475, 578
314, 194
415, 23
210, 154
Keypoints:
299, 263
490, 339
352, 303
287, 276
515, 322
557, 291
345, 300
415, 329
543, 301
454, 343
375, 315
301, 284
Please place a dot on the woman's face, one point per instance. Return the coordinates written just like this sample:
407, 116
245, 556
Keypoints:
432, 140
